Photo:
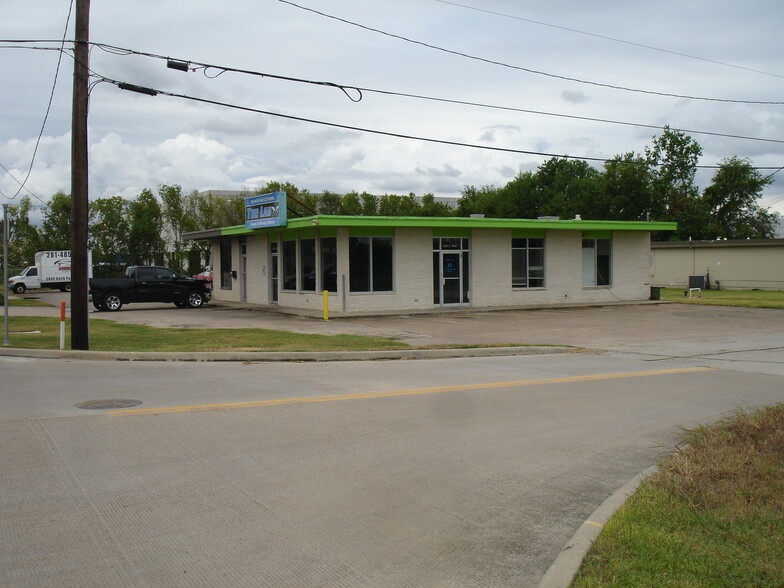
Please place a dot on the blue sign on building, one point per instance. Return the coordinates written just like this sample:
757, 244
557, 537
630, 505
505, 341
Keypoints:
266, 210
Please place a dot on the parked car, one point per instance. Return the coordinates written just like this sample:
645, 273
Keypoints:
205, 275
148, 284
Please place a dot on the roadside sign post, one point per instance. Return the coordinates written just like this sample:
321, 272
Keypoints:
62, 324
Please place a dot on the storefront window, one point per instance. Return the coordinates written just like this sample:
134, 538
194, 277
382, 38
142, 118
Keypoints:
289, 265
225, 264
329, 264
527, 263
597, 262
307, 264
370, 264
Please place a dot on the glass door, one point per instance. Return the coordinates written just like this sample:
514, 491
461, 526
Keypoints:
450, 271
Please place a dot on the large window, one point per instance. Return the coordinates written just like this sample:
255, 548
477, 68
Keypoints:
370, 264
329, 264
289, 265
597, 261
527, 263
225, 264
307, 264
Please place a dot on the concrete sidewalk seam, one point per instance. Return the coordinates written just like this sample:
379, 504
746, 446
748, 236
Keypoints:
565, 567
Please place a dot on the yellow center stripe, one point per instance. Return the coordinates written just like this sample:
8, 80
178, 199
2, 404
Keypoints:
410, 392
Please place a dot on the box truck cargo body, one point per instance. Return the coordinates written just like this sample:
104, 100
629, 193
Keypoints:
52, 269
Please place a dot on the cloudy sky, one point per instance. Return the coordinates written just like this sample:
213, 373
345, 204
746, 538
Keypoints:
549, 64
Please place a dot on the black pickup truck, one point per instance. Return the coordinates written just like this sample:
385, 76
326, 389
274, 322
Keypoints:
145, 283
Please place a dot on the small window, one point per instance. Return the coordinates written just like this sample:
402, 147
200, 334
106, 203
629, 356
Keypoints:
370, 264
527, 263
597, 262
329, 264
307, 264
225, 264
289, 265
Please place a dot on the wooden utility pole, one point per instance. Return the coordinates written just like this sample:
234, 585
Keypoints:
80, 335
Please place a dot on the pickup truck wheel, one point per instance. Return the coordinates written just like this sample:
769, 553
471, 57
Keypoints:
112, 302
194, 299
97, 306
19, 288
65, 287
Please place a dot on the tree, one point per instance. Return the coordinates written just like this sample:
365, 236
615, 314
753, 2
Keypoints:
329, 203
674, 155
24, 237
108, 234
350, 204
731, 201
627, 191
56, 226
145, 245
566, 187
369, 204
432, 208
173, 210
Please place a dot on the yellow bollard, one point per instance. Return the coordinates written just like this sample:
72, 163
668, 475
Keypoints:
326, 305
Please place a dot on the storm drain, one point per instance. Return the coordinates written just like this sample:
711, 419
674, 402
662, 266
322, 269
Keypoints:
104, 404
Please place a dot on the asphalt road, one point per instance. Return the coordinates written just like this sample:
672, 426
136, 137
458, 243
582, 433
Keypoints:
461, 472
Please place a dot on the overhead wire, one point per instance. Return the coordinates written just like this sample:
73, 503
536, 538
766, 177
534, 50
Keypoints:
49, 105
155, 91
608, 38
525, 69
348, 88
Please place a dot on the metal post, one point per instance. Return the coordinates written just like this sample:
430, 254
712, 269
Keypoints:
6, 234
80, 338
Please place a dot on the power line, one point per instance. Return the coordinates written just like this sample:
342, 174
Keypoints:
10, 175
154, 92
614, 39
347, 89
525, 69
49, 105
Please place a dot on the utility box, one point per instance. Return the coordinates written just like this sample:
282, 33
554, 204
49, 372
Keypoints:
697, 282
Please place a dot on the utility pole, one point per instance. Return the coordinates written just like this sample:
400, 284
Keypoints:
80, 335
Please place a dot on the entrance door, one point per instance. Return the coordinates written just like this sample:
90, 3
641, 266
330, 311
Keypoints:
451, 278
274, 272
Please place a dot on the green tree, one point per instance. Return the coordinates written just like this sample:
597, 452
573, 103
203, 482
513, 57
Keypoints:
409, 205
329, 203
475, 200
369, 204
674, 156
108, 235
145, 244
627, 191
567, 187
389, 205
24, 239
731, 200
432, 208
56, 225
175, 223
350, 204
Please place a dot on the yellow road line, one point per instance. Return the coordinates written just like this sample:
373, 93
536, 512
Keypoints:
410, 392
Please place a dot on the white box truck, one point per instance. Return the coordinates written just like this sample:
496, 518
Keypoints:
52, 269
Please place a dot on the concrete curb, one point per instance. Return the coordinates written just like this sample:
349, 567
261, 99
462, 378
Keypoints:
263, 356
565, 566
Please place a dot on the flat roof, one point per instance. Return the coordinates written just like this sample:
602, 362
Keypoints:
445, 222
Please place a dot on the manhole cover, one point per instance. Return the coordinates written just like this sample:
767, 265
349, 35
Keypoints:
104, 404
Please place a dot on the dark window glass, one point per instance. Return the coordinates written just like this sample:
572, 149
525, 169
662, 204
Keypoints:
370, 264
359, 264
307, 264
225, 264
289, 265
382, 264
329, 264
603, 248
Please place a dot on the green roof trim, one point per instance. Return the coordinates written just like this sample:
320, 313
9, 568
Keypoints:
457, 223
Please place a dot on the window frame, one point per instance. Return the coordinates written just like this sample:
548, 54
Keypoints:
372, 272
526, 248
601, 262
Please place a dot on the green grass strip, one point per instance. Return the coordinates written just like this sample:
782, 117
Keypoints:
745, 298
712, 517
106, 335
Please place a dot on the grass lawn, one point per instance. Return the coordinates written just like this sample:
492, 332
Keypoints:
106, 335
712, 517
748, 298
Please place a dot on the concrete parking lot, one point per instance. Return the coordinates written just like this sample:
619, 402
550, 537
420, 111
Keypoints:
456, 472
